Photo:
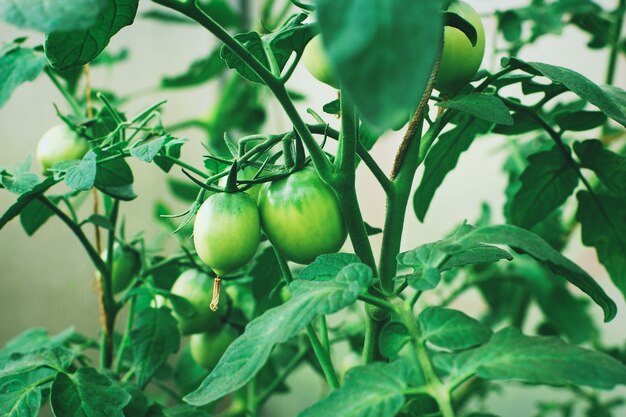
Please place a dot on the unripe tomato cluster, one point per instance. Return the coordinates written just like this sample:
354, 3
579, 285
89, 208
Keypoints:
460, 59
299, 214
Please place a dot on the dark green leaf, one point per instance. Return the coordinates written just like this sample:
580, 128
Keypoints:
184, 190
57, 358
371, 230
510, 355
221, 11
577, 84
185, 410
442, 158
392, 339
25, 199
608, 166
533, 245
605, 231
483, 106
366, 41
199, 72
17, 67
372, 390
331, 107
51, 15
477, 254
154, 337
87, 393
510, 24
247, 354
67, 49
580, 121
452, 329
546, 183
115, 178
34, 216
265, 274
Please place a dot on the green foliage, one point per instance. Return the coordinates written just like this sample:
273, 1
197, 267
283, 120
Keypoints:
72, 48
418, 355
364, 42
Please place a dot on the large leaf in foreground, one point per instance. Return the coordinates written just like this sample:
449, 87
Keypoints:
383, 52
247, 354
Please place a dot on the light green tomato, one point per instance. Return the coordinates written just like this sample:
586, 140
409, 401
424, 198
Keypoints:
197, 288
125, 266
460, 60
227, 231
316, 60
301, 216
207, 348
60, 143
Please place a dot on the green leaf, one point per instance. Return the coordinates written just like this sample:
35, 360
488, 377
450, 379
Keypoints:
429, 260
18, 179
393, 337
510, 24
546, 183
154, 337
81, 175
442, 158
87, 393
577, 84
184, 190
18, 399
608, 166
185, 410
146, 151
533, 245
18, 66
366, 42
247, 354
580, 121
221, 11
483, 106
73, 48
50, 15
510, 355
606, 232
57, 358
265, 273
33, 216
25, 199
115, 178
292, 38
452, 329
199, 72
372, 390
327, 266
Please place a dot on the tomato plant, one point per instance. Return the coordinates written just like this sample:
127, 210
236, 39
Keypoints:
273, 257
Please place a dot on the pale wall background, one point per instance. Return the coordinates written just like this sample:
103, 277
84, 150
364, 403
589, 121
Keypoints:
47, 280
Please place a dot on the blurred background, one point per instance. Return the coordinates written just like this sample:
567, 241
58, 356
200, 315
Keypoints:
47, 281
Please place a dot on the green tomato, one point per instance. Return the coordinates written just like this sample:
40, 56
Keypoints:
207, 348
316, 60
227, 231
60, 143
460, 60
301, 216
125, 266
197, 288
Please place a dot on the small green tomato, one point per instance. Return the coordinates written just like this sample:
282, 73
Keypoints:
125, 266
460, 60
207, 348
60, 143
227, 231
197, 288
316, 60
